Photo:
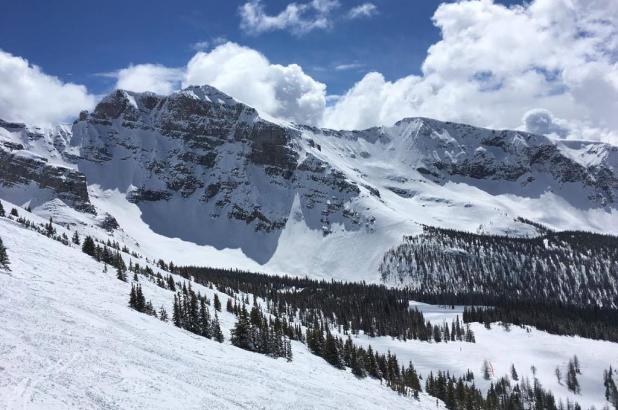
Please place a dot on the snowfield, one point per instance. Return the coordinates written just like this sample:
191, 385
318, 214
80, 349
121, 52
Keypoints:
68, 340
502, 348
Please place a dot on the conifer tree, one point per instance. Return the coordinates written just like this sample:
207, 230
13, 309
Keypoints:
330, 352
216, 332
14, 213
514, 374
2, 213
4, 257
486, 370
240, 334
217, 303
571, 378
204, 324
49, 227
120, 275
163, 314
75, 238
176, 313
88, 246
611, 391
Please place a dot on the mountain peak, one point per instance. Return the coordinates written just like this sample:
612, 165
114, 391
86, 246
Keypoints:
207, 93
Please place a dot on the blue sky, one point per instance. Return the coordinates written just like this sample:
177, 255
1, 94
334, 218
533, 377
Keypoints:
76, 40
547, 66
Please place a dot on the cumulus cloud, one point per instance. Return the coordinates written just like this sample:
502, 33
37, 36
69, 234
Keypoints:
299, 18
247, 75
148, 77
541, 121
362, 10
495, 63
29, 95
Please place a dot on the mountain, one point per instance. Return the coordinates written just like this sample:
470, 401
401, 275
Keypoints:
204, 173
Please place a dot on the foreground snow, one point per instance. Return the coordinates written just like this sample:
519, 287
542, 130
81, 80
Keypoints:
70, 341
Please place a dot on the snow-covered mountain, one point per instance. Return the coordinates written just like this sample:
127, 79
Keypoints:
203, 168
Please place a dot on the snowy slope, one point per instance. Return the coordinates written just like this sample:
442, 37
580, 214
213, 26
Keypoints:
503, 348
70, 341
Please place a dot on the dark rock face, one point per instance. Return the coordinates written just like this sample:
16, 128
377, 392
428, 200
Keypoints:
30, 177
231, 173
477, 154
67, 184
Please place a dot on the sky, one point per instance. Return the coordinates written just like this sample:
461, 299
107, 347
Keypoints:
546, 66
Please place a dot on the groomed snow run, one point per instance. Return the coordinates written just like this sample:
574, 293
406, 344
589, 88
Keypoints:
69, 340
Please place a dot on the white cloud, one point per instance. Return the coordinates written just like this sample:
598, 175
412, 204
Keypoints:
148, 77
349, 66
494, 63
206, 44
541, 121
299, 18
200, 45
362, 10
29, 95
247, 75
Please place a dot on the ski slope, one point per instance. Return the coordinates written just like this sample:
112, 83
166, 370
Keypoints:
68, 340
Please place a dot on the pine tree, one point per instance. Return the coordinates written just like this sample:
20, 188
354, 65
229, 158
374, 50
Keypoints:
14, 213
240, 334
176, 314
75, 238
120, 275
2, 213
576, 365
486, 370
204, 324
217, 303
514, 374
132, 298
163, 314
4, 257
611, 391
216, 332
330, 352
140, 301
49, 227
88, 246
571, 378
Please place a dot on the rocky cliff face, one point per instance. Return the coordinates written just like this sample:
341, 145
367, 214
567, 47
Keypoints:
220, 173
28, 176
511, 161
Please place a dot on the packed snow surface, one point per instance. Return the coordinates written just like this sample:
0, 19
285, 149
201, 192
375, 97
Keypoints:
70, 341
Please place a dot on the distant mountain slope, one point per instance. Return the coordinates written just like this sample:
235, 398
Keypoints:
201, 167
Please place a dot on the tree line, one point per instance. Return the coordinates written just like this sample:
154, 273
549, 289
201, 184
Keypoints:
376, 310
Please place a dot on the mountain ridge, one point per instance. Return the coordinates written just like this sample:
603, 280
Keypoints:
206, 169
